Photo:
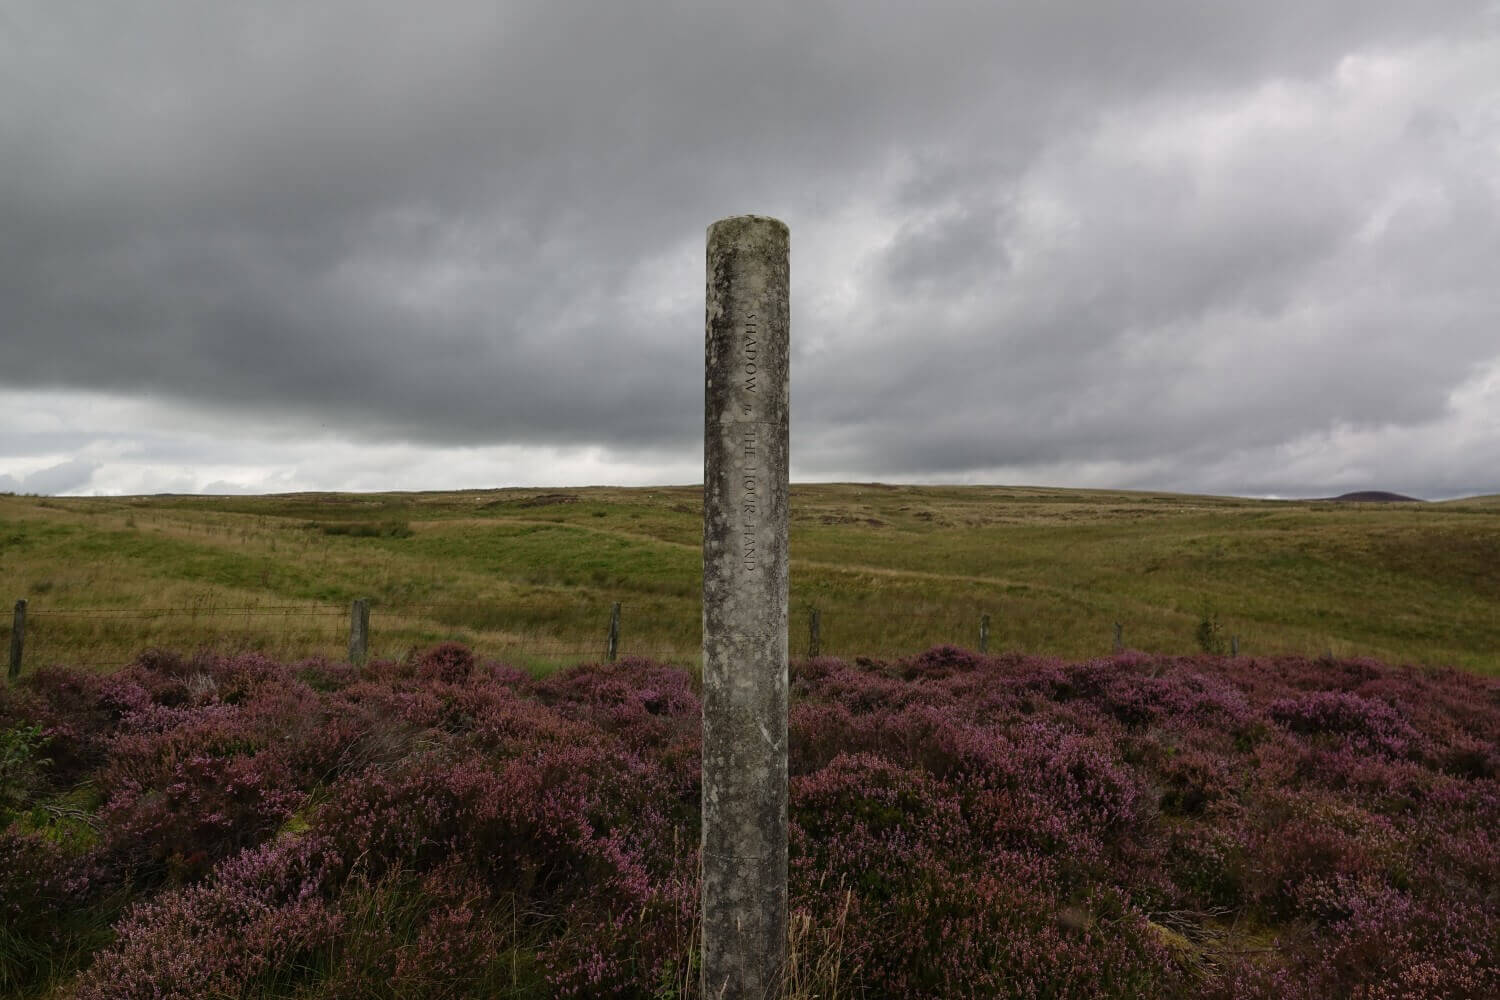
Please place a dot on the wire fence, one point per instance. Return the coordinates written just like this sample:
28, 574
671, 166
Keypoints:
110, 637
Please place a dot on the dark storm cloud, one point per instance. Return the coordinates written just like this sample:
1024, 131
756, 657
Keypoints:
480, 223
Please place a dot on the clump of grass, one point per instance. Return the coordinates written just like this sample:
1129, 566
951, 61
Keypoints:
817, 955
1209, 632
364, 529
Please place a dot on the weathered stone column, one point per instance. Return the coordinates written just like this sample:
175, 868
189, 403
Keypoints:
745, 609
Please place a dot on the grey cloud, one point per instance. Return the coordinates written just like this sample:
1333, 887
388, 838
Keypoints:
64, 477
452, 225
221, 487
947, 255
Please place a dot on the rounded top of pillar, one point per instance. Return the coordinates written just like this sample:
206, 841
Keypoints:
743, 229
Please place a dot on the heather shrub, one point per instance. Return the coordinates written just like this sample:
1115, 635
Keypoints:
961, 825
186, 785
873, 820
1307, 837
1185, 696
1380, 944
995, 933
198, 810
528, 819
74, 714
634, 699
1209, 865
1364, 724
928, 924
938, 663
448, 662
54, 909
260, 916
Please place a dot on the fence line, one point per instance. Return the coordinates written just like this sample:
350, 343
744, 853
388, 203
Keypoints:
972, 630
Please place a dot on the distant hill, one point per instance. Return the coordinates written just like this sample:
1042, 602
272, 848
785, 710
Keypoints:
1375, 496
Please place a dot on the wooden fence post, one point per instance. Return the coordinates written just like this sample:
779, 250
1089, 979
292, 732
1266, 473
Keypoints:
984, 633
1234, 646
814, 633
612, 650
1119, 638
359, 631
17, 638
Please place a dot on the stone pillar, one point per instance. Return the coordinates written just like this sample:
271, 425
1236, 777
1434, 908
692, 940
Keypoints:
744, 906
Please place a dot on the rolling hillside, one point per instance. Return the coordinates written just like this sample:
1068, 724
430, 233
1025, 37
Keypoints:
529, 575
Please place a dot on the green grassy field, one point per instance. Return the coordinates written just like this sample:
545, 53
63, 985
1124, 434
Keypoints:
529, 575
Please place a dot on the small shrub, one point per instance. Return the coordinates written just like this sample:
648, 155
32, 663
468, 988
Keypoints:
20, 762
1366, 725
448, 662
1210, 632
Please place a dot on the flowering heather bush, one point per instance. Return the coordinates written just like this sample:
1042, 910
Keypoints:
961, 826
1366, 725
450, 662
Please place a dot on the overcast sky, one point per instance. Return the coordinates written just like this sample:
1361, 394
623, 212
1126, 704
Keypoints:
1246, 247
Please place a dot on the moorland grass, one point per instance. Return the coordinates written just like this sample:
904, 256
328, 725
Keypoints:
529, 574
